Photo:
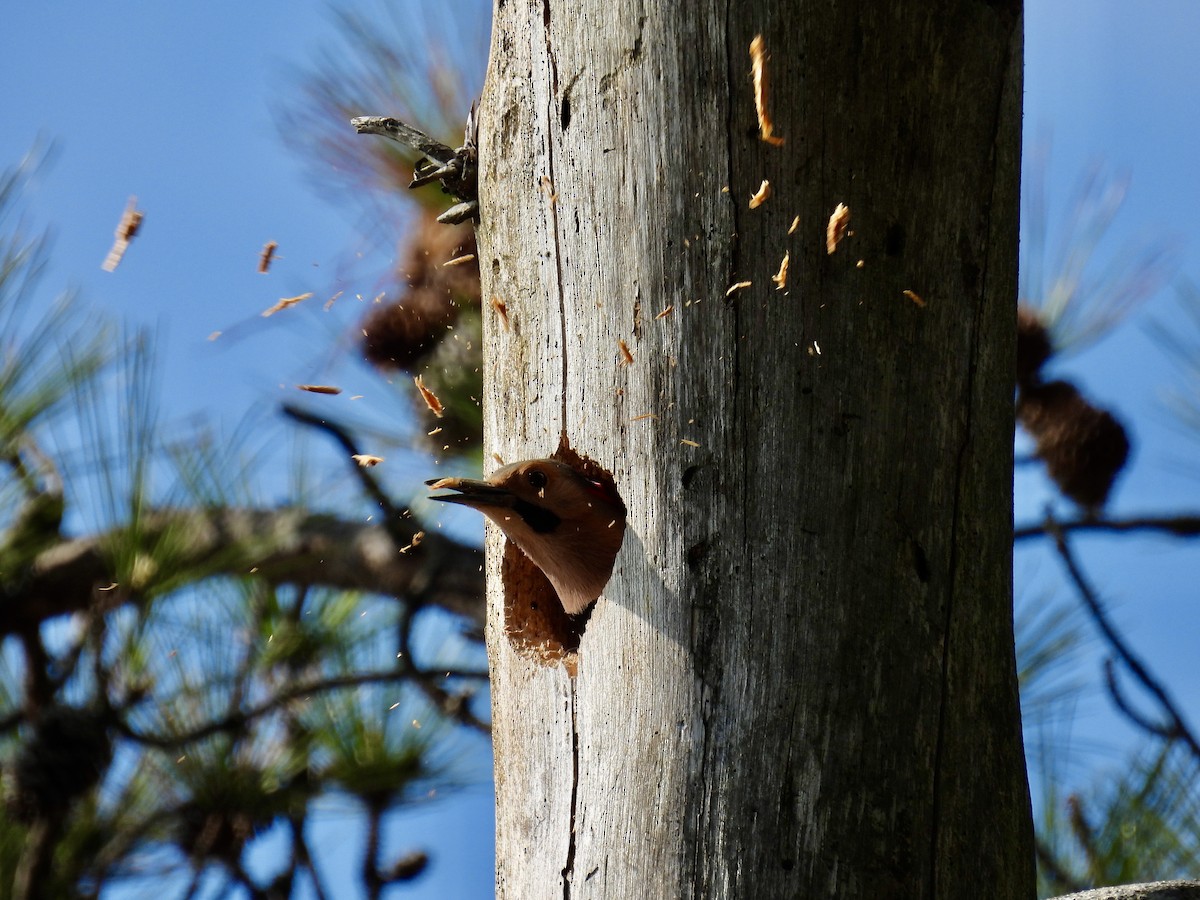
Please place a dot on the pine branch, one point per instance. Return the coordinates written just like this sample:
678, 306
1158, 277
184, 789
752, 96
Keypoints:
284, 546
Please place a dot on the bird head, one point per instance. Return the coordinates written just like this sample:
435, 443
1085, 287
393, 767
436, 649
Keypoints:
569, 525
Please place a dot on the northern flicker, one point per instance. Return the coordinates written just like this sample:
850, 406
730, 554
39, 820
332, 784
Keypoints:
569, 525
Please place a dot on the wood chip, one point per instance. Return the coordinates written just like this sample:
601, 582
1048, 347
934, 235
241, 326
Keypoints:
284, 303
498, 458
265, 258
643, 416
501, 310
666, 312
795, 224
431, 400
914, 297
437, 430
214, 335
320, 388
329, 303
836, 229
740, 286
366, 460
761, 195
758, 60
626, 356
459, 260
417, 538
689, 443
127, 228
780, 277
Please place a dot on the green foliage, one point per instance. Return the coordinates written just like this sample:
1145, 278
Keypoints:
1139, 824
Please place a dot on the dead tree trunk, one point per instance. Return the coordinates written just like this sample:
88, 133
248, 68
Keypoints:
800, 679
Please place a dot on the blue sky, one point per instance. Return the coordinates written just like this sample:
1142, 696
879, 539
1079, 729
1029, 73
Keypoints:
1115, 82
178, 104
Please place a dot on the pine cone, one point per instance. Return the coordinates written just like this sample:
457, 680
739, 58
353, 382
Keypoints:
1034, 346
1084, 448
399, 335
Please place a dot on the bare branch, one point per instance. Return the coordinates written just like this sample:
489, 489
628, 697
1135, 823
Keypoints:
404, 134
1176, 727
1179, 526
1122, 703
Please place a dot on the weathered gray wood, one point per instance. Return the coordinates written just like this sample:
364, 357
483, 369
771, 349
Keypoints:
1152, 890
800, 680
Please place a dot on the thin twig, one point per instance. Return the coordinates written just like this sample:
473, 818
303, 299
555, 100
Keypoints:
1178, 526
1177, 728
369, 483
1157, 729
238, 719
452, 706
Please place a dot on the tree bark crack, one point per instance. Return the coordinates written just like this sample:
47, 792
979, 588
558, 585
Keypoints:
947, 622
569, 866
553, 102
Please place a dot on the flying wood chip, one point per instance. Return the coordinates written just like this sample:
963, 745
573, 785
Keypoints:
836, 229
431, 400
914, 297
780, 277
366, 460
761, 195
459, 260
319, 388
284, 303
758, 60
626, 355
130, 222
740, 286
264, 258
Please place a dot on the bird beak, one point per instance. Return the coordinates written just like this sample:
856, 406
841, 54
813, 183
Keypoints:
476, 494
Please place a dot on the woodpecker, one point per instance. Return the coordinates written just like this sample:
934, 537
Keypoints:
569, 525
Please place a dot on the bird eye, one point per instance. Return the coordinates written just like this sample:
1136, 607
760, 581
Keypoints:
536, 479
